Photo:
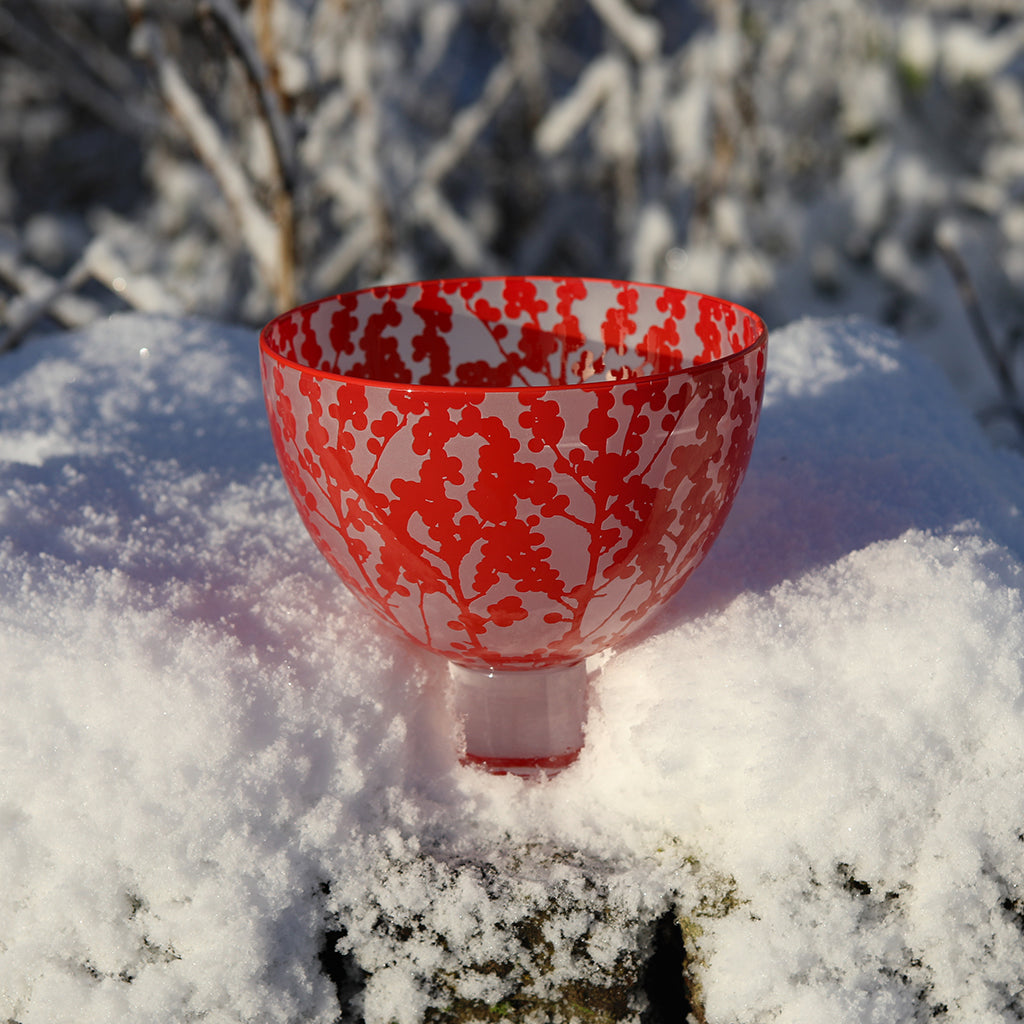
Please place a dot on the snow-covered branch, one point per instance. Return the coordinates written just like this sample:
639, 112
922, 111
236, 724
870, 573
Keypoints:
640, 33
38, 295
261, 234
793, 155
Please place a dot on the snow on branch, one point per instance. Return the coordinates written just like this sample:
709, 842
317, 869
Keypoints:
230, 17
469, 122
342, 260
460, 237
108, 264
227, 14
1011, 401
120, 109
39, 296
261, 234
794, 156
604, 79
639, 34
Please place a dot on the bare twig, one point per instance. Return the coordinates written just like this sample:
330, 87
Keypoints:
265, 41
976, 316
993, 355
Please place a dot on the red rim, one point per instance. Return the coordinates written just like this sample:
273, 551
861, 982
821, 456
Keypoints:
692, 370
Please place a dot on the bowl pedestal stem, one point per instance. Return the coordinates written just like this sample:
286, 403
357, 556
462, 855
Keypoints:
521, 721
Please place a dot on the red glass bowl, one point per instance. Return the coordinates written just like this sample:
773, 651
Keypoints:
516, 473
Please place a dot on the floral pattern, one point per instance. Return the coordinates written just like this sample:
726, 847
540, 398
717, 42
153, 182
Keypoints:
514, 472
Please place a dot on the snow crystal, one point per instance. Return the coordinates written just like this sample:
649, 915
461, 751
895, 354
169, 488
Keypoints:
211, 758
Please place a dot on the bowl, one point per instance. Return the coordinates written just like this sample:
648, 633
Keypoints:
515, 473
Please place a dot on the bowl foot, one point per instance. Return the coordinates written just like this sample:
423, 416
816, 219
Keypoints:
526, 722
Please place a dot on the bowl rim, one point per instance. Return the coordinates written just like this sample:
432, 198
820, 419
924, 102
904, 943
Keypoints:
692, 370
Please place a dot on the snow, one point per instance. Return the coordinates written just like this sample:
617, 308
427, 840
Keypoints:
209, 755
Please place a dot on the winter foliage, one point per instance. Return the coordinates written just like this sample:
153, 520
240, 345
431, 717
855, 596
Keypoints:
831, 156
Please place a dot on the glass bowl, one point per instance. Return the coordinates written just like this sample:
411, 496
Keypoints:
515, 473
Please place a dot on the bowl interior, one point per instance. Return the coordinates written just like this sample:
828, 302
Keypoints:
511, 332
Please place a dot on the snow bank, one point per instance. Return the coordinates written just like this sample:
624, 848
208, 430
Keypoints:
208, 755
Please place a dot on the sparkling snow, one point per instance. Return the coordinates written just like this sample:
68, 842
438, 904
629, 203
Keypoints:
201, 734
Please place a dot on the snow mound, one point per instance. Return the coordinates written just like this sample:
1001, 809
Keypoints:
209, 757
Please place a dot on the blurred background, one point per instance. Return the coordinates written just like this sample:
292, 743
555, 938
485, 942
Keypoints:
229, 158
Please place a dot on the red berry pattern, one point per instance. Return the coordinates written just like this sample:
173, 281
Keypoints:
514, 472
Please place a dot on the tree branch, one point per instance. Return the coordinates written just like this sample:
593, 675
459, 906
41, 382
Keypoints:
262, 236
